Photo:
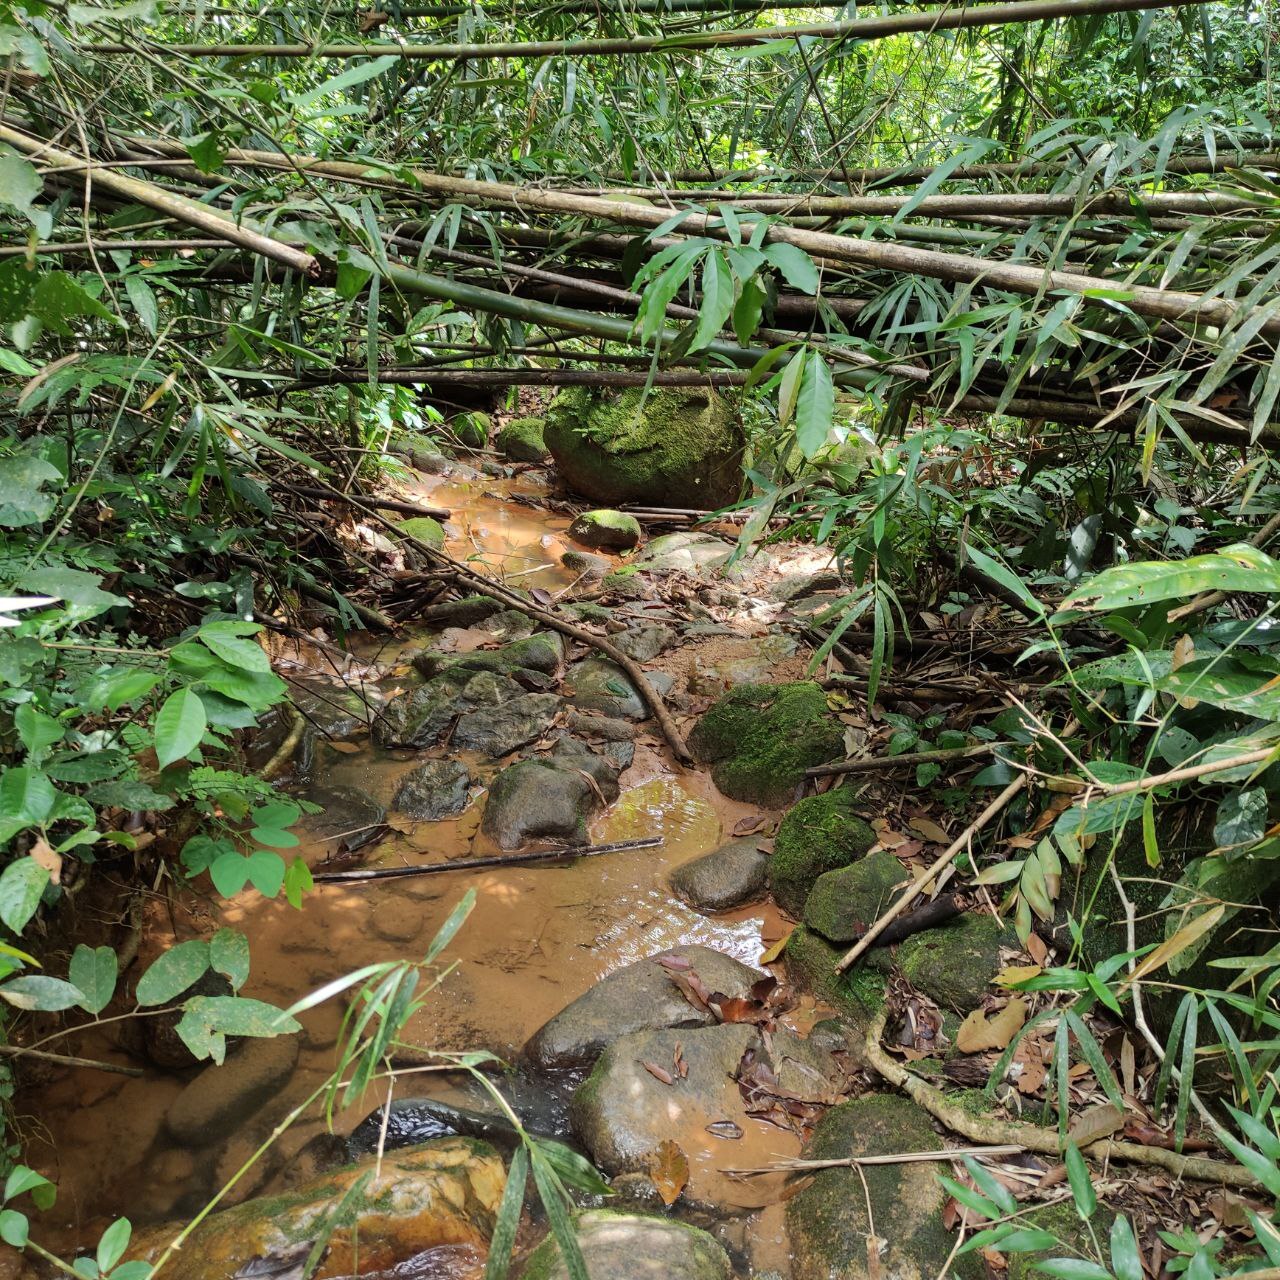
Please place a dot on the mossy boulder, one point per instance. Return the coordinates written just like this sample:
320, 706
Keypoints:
843, 903
828, 1222
821, 834
424, 528
521, 440
541, 652
610, 530
760, 738
444, 1192
954, 963
472, 429
633, 1246
679, 448
811, 963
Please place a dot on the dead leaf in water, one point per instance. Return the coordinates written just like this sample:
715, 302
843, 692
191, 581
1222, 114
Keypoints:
726, 1129
977, 1033
749, 825
671, 1172
774, 953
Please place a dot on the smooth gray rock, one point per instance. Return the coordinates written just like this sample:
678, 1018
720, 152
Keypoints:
638, 997
646, 641
466, 612
220, 1097
548, 797
348, 819
583, 562
727, 877
497, 731
633, 1246
601, 685
434, 790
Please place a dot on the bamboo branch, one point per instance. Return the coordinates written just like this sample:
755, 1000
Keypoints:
875, 763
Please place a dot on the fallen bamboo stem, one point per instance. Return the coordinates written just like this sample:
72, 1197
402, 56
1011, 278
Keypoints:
800, 1165
872, 763
69, 1060
987, 1129
475, 864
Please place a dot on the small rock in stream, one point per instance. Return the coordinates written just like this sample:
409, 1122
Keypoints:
608, 530
589, 566
637, 997
348, 819
434, 790
222, 1096
497, 731
601, 685
727, 877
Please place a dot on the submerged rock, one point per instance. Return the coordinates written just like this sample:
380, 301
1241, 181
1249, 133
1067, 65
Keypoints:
497, 731
637, 997
434, 790
760, 738
844, 903
727, 877
609, 530
522, 440
632, 1246
820, 834
349, 818
220, 1097
549, 797
827, 1220
440, 1193
673, 447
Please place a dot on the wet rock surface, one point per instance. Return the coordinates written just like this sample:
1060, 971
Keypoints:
497, 731
637, 997
685, 552
434, 790
844, 903
600, 685
632, 1246
727, 877
606, 530
349, 818
220, 1097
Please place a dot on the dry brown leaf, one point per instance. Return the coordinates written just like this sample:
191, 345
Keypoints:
977, 1033
670, 1172
1031, 1077
1094, 1123
346, 748
1017, 973
1180, 941
929, 830
46, 856
660, 1074
1037, 949
749, 825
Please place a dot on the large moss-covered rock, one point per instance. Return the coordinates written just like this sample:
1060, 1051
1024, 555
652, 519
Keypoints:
632, 1246
842, 904
760, 738
521, 440
424, 528
673, 447
811, 963
472, 429
827, 1221
609, 530
440, 1193
542, 652
954, 963
821, 834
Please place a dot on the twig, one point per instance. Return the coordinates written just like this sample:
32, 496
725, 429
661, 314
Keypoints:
1207, 599
471, 864
69, 1060
906, 758
896, 1157
982, 1128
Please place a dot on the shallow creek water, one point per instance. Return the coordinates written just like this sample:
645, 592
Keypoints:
539, 937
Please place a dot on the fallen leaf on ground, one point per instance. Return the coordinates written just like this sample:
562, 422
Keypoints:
670, 1172
1095, 1123
660, 1074
749, 825
930, 830
977, 1033
1017, 973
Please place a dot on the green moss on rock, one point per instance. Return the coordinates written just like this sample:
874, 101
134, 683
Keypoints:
811, 962
675, 447
1059, 1219
612, 530
632, 1246
760, 738
522, 440
424, 528
953, 964
821, 834
472, 429
843, 903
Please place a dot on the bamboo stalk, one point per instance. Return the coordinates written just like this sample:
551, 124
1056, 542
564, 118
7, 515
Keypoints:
853, 29
874, 763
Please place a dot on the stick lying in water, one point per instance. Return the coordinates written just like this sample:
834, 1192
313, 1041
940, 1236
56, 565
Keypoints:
497, 860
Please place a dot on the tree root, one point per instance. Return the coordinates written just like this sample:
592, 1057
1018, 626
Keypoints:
989, 1131
285, 751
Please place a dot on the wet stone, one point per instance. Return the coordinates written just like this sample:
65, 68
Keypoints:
637, 997
607, 728
543, 652
608, 530
644, 643
601, 685
844, 903
589, 566
222, 1096
727, 877
434, 790
348, 819
469, 611
497, 731
632, 1246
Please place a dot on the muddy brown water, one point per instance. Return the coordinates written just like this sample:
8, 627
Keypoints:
537, 938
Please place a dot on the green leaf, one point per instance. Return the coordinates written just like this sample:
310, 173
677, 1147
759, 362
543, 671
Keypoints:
1241, 818
1236, 568
266, 872
351, 77
144, 303
1126, 1261
13, 1228
573, 1169
789, 387
20, 184
22, 1179
37, 730
207, 151
508, 1219
114, 1241
815, 405
180, 724
997, 572
93, 971
717, 299
297, 881
229, 955
174, 972
76, 588
37, 992
795, 266
237, 1016
231, 642
446, 932
21, 886
1081, 1180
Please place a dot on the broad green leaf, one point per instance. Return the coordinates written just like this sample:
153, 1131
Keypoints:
180, 724
348, 79
1081, 1180
1126, 1261
37, 730
13, 1228
20, 184
815, 405
229, 955
93, 971
21, 1179
997, 572
789, 387
508, 1219
1236, 568
113, 1243
21, 885
37, 992
717, 299
238, 1016
232, 643
1241, 818
174, 972
75, 587
794, 265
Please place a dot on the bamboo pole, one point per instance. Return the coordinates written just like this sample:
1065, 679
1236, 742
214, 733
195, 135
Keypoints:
877, 28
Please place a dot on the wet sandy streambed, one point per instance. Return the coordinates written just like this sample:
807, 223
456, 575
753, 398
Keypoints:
538, 938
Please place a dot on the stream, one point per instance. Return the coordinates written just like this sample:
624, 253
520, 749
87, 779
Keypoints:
539, 936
